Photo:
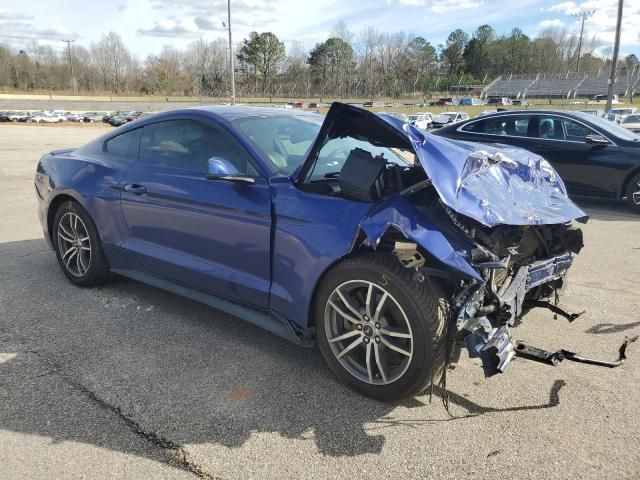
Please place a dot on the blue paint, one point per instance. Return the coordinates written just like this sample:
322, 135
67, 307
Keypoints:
265, 246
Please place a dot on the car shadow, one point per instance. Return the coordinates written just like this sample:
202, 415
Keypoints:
175, 372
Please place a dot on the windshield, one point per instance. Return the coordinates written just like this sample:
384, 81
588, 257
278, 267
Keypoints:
632, 119
281, 140
610, 127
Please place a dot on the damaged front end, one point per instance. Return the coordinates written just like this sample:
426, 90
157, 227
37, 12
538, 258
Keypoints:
519, 266
493, 222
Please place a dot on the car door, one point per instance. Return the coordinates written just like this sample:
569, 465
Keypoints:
583, 166
560, 140
211, 235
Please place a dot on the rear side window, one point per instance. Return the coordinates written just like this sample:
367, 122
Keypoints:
188, 145
124, 145
512, 126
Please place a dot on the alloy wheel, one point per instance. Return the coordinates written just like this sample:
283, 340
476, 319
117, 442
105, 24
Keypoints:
74, 244
368, 332
635, 196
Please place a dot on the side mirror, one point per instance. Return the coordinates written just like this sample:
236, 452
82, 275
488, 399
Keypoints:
221, 169
596, 140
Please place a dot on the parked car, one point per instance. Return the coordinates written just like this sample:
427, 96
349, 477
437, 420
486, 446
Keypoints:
91, 117
133, 116
421, 120
446, 102
17, 116
470, 101
46, 117
118, 119
73, 117
364, 252
603, 99
373, 104
489, 112
595, 157
598, 112
619, 114
447, 118
503, 101
521, 103
107, 118
632, 123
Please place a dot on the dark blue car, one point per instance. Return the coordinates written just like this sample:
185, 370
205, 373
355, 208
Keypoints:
381, 242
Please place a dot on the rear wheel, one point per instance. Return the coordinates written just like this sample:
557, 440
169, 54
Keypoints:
379, 328
633, 192
77, 246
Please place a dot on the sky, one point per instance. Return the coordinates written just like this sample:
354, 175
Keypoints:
148, 25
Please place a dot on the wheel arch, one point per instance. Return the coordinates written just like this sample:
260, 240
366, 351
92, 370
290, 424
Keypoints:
54, 205
360, 246
627, 180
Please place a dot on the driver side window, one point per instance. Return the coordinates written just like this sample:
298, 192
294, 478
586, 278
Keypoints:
188, 145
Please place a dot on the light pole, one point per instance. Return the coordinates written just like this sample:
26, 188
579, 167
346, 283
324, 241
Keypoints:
73, 81
583, 16
232, 72
614, 60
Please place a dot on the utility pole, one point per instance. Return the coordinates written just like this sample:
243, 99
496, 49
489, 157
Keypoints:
614, 60
232, 72
583, 16
73, 80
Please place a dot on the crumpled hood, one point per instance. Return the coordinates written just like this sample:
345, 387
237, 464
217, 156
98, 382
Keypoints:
493, 184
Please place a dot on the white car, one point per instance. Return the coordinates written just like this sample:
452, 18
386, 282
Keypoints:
421, 120
487, 112
447, 118
45, 117
619, 114
632, 123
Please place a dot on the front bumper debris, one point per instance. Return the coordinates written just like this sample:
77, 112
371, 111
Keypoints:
490, 342
554, 358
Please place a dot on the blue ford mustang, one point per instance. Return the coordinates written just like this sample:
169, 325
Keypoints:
377, 240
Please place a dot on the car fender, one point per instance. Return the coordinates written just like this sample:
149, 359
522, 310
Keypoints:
423, 227
92, 182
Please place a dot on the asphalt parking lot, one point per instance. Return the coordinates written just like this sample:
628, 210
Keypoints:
127, 381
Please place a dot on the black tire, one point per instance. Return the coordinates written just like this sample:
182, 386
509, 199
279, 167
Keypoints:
97, 269
633, 192
426, 308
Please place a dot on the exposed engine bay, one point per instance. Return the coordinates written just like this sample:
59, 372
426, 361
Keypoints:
494, 223
519, 264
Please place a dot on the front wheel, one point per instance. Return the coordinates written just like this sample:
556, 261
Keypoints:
633, 192
379, 328
77, 246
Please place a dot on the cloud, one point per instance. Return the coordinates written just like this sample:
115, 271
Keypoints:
568, 8
172, 27
8, 15
209, 23
192, 17
553, 23
18, 28
440, 6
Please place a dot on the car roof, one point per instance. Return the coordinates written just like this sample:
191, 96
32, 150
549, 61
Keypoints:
230, 112
538, 111
222, 113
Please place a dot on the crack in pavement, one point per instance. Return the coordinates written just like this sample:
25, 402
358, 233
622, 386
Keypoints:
176, 454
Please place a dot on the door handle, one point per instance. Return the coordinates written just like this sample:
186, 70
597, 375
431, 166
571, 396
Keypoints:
135, 188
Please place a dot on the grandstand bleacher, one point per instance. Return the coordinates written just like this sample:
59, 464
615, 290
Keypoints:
565, 85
